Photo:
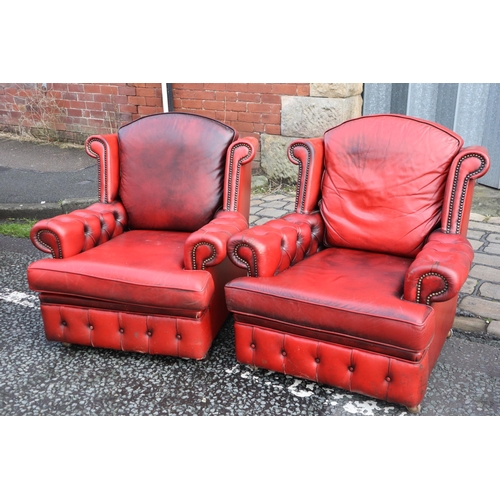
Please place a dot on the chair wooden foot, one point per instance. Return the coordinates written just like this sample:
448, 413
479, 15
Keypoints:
414, 409
450, 333
66, 344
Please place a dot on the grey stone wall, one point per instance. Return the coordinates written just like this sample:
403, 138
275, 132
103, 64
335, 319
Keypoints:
328, 105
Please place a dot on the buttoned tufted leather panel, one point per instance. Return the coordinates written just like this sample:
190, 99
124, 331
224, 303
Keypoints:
376, 375
126, 331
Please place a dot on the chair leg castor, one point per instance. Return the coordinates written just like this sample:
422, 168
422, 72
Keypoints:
414, 409
450, 333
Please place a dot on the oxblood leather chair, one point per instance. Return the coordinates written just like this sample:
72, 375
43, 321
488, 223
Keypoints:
144, 269
358, 288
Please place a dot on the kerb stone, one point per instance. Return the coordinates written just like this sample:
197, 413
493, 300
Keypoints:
481, 307
467, 324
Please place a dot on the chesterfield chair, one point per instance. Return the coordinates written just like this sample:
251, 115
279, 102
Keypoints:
357, 289
144, 268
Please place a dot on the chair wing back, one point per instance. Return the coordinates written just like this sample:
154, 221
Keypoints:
384, 182
172, 170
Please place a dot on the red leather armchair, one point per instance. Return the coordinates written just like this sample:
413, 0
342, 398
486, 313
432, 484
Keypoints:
144, 269
358, 288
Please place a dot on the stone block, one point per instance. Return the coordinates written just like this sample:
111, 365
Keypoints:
30, 210
335, 90
494, 328
485, 273
76, 204
492, 248
493, 238
274, 204
466, 324
481, 307
274, 160
484, 226
487, 260
273, 197
469, 286
475, 235
477, 217
260, 221
312, 116
272, 213
490, 290
476, 244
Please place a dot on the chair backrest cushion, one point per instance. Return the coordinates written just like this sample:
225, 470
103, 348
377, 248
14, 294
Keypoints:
172, 170
384, 182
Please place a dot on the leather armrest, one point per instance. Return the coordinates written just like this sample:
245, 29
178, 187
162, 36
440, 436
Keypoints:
73, 233
105, 149
238, 175
308, 155
440, 269
208, 246
470, 164
316, 224
271, 248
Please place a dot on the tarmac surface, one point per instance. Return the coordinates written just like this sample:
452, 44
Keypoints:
38, 377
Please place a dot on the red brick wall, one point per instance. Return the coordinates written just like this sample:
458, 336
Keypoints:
73, 111
251, 108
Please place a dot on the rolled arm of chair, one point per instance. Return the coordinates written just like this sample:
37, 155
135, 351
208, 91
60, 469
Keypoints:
440, 269
70, 234
105, 149
308, 155
273, 247
238, 175
471, 163
208, 246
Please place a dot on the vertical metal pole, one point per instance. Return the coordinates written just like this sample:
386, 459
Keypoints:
167, 97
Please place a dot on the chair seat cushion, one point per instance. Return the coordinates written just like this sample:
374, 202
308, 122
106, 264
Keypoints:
349, 297
138, 269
